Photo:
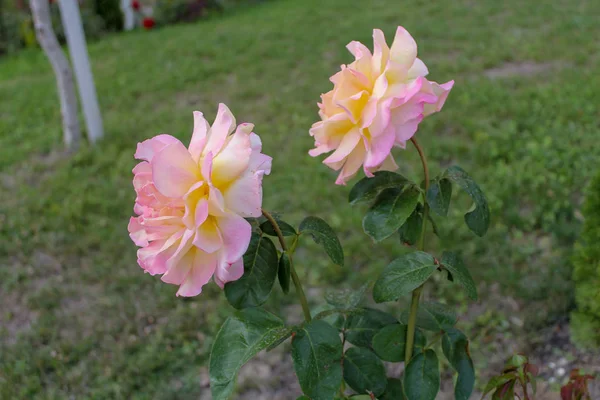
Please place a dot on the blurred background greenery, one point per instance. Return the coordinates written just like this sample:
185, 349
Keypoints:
80, 319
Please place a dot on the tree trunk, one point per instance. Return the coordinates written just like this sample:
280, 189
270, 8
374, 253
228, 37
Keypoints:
62, 70
71, 19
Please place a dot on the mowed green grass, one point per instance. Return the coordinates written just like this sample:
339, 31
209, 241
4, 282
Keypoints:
80, 319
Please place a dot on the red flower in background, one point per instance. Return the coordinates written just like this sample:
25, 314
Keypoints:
135, 5
148, 23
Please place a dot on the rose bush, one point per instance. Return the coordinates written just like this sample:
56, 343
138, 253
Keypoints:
199, 215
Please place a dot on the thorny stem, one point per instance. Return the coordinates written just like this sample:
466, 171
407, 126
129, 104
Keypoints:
343, 386
414, 304
524, 385
295, 278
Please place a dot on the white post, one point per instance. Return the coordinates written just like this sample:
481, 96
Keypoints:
71, 19
129, 17
62, 70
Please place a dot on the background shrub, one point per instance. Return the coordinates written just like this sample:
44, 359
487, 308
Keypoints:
586, 273
173, 11
110, 12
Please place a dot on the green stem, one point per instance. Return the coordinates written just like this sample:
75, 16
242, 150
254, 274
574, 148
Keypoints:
414, 304
295, 278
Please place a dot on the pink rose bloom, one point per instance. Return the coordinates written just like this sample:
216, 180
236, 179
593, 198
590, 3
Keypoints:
377, 102
191, 202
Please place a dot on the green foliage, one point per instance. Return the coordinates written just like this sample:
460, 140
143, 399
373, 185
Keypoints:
439, 195
364, 371
517, 372
346, 298
240, 338
432, 317
390, 211
478, 220
12, 32
422, 376
585, 321
317, 355
361, 326
455, 266
322, 234
367, 189
283, 273
456, 349
403, 275
394, 390
111, 14
285, 228
411, 230
260, 271
390, 342
174, 11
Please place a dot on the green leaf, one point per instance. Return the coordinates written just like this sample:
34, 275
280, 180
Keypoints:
239, 339
477, 220
390, 342
260, 271
364, 371
439, 195
346, 298
362, 397
317, 354
403, 275
516, 361
434, 226
285, 228
453, 263
505, 392
456, 349
394, 390
283, 336
390, 211
422, 376
498, 382
303, 398
322, 234
284, 272
432, 317
368, 188
411, 230
333, 316
361, 327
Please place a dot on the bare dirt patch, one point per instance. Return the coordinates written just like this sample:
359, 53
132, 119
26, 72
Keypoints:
526, 68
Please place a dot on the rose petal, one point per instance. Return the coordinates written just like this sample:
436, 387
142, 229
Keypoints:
346, 146
208, 237
404, 48
236, 232
380, 51
229, 273
174, 171
148, 148
203, 268
223, 126
233, 159
244, 196
418, 69
351, 166
201, 128
137, 233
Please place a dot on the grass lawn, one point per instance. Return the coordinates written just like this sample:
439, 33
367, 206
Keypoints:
79, 318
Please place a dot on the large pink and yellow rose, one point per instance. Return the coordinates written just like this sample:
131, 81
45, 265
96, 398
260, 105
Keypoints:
191, 202
377, 102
